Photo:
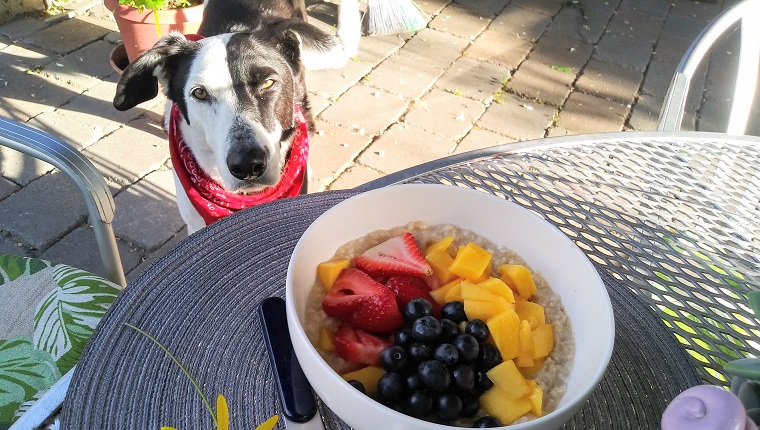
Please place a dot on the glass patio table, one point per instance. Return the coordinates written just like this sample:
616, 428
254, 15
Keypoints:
669, 219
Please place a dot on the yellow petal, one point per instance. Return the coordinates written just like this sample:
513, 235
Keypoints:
167, 428
268, 424
222, 413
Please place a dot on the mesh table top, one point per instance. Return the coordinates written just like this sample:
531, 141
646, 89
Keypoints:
674, 216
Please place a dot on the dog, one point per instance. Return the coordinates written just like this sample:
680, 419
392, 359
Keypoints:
238, 114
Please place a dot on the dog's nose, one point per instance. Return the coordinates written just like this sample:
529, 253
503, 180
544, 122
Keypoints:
249, 164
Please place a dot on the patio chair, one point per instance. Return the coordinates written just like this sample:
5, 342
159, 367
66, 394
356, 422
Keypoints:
50, 310
746, 14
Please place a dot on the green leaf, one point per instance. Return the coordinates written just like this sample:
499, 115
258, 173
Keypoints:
13, 266
563, 69
753, 297
748, 368
24, 371
66, 317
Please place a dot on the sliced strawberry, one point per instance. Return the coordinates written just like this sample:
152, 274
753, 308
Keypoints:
360, 301
408, 288
399, 255
357, 346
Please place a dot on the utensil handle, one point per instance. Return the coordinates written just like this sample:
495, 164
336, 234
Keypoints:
296, 396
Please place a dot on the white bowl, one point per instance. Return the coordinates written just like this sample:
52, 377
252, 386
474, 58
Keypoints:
544, 247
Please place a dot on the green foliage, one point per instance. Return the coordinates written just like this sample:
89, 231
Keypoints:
748, 368
141, 5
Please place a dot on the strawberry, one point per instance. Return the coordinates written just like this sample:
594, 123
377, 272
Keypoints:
407, 288
357, 346
399, 255
360, 301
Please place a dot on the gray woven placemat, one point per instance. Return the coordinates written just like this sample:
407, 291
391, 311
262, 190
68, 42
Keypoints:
200, 300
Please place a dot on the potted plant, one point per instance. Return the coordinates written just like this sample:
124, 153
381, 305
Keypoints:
142, 22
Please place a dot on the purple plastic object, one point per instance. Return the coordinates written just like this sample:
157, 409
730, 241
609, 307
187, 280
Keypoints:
706, 407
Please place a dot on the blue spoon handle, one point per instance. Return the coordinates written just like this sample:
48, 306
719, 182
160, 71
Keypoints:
296, 396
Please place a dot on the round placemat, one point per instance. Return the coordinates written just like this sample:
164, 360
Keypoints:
200, 301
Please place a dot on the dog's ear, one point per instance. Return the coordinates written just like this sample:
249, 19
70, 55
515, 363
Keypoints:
139, 82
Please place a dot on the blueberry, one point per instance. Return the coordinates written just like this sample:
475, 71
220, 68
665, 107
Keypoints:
420, 404
426, 329
464, 378
486, 422
391, 386
450, 330
478, 329
434, 375
393, 358
447, 354
470, 405
413, 382
488, 357
420, 352
468, 347
448, 406
403, 337
358, 385
454, 311
417, 308
482, 382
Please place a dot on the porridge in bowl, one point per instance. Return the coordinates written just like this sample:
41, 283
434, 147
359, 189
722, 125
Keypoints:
441, 324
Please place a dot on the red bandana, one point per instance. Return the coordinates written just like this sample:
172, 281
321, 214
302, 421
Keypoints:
214, 202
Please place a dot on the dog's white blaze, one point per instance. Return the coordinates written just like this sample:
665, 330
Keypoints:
211, 121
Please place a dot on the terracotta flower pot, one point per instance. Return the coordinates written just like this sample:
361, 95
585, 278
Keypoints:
138, 30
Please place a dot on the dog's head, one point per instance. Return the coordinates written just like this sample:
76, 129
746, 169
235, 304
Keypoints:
236, 93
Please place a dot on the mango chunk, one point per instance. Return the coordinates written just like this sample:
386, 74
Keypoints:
439, 294
498, 287
496, 403
505, 331
440, 261
328, 271
486, 273
525, 354
484, 310
532, 312
439, 245
529, 372
454, 294
543, 340
368, 376
471, 261
508, 378
326, 343
518, 277
536, 398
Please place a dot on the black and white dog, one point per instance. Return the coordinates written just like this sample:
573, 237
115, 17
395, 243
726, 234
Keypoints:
238, 114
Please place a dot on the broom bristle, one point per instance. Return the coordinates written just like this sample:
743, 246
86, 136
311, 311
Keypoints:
392, 16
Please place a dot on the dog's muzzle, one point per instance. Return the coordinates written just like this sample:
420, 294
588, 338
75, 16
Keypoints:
247, 164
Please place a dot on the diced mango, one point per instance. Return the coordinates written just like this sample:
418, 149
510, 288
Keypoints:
505, 331
368, 376
440, 245
326, 343
532, 312
471, 261
486, 273
454, 294
536, 398
496, 403
440, 261
508, 378
484, 310
439, 294
498, 287
328, 271
543, 340
525, 354
520, 277
529, 372
472, 291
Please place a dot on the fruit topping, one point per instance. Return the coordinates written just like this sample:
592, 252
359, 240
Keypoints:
362, 302
396, 256
393, 358
358, 346
408, 288
417, 308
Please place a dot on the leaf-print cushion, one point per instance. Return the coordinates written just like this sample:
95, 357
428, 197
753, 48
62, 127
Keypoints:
49, 311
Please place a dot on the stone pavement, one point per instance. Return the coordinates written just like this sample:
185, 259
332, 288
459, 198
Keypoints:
483, 73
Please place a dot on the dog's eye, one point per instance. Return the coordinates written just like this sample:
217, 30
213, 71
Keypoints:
199, 93
267, 84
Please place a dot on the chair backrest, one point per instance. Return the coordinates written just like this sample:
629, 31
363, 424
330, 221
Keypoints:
746, 14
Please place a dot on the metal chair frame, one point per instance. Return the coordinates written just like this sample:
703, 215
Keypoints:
747, 14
